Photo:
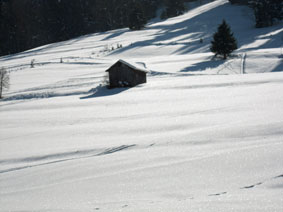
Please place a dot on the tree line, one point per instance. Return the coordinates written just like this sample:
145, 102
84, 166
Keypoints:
25, 24
266, 12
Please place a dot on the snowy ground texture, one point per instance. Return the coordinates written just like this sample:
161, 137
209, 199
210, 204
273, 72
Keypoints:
202, 135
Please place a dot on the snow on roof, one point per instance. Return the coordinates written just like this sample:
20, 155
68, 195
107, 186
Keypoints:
140, 66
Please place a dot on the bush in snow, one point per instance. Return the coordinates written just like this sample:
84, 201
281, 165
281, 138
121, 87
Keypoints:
223, 42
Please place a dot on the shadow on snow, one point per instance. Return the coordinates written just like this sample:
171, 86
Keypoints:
202, 66
102, 91
203, 26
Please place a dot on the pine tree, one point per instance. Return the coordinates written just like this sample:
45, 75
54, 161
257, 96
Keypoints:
263, 17
223, 42
137, 18
25, 24
173, 8
267, 11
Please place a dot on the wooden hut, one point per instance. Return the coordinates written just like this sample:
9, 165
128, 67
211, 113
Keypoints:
126, 74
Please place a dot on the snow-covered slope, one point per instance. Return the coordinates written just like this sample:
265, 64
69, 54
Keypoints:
201, 135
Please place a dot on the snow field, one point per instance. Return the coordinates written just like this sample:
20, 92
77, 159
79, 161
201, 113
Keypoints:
200, 135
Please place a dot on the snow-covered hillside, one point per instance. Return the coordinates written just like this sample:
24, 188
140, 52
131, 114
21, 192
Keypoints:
201, 135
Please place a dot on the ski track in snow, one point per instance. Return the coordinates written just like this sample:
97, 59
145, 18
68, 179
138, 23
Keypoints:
61, 157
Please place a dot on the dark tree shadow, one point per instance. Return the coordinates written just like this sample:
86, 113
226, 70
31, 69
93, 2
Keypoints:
102, 91
200, 26
117, 33
278, 68
202, 66
203, 26
159, 73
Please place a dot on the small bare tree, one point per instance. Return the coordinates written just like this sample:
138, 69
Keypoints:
4, 80
32, 63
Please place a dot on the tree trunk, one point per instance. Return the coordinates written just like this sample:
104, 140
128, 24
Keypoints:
0, 90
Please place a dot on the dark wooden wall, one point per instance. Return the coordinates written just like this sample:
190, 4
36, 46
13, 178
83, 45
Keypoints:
121, 75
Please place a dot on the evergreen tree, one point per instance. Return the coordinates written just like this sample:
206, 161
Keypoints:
267, 11
25, 24
244, 2
223, 41
137, 19
173, 8
278, 9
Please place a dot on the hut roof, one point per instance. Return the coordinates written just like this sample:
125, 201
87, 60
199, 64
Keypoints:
136, 66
